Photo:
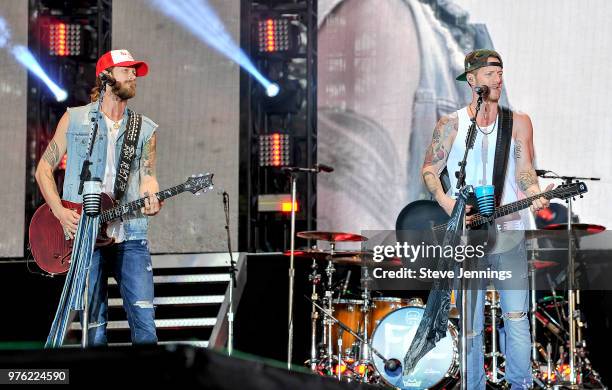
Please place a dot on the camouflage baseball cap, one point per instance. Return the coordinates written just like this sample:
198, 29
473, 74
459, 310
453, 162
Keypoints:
478, 59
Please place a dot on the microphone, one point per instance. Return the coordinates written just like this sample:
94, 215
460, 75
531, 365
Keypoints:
541, 172
92, 197
107, 79
481, 90
324, 168
393, 367
316, 169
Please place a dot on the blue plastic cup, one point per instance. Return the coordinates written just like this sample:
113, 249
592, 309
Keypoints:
485, 195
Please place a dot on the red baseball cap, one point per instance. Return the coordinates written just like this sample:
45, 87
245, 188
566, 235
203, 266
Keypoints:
121, 58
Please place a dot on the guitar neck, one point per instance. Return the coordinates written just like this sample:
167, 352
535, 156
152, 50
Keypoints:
519, 205
118, 211
478, 219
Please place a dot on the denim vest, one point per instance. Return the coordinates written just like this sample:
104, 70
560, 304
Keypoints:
77, 135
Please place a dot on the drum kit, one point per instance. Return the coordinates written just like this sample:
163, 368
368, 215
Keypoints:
359, 329
357, 335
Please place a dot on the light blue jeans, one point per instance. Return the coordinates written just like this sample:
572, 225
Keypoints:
130, 263
515, 338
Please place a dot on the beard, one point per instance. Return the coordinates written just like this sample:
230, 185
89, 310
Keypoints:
124, 90
493, 96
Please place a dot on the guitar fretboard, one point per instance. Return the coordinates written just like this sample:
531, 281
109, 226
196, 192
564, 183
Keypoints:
561, 193
118, 211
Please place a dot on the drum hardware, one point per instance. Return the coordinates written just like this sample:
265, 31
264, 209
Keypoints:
393, 365
315, 279
493, 298
332, 237
328, 300
574, 232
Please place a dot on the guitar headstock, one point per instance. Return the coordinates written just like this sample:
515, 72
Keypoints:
199, 183
565, 191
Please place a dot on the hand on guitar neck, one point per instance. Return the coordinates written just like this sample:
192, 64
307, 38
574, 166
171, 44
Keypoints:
540, 203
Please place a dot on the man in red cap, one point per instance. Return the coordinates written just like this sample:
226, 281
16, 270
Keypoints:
123, 158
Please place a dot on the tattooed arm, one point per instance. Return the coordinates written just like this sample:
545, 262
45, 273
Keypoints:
46, 182
523, 155
148, 180
435, 159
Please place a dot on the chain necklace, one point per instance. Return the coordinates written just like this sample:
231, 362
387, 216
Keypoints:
116, 124
478, 127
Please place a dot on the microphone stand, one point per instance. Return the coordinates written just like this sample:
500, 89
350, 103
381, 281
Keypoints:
460, 175
232, 272
293, 179
84, 177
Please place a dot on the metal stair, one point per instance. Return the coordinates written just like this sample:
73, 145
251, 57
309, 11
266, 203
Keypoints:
191, 301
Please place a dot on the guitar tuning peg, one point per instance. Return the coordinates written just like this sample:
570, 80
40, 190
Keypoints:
200, 175
197, 193
193, 175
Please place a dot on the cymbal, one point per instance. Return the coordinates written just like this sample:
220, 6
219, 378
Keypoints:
324, 255
331, 236
580, 229
366, 260
541, 264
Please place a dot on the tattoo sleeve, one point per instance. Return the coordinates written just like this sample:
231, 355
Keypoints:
518, 149
437, 153
432, 182
526, 179
149, 156
51, 155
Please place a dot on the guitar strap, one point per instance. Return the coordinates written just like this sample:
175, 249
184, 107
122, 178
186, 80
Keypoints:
502, 152
128, 151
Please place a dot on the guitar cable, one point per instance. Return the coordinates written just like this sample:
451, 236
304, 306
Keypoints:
29, 259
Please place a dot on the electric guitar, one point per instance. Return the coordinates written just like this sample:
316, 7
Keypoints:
50, 248
429, 220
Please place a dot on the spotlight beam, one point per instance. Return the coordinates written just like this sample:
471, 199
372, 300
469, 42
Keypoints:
25, 58
201, 20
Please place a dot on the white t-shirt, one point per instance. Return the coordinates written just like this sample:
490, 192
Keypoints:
115, 228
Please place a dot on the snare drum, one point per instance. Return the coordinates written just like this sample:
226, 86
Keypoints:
392, 338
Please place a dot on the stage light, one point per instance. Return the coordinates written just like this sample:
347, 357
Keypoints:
201, 20
286, 206
25, 57
288, 99
275, 203
275, 35
65, 39
272, 90
274, 150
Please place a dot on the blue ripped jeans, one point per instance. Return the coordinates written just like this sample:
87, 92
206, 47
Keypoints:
515, 338
130, 264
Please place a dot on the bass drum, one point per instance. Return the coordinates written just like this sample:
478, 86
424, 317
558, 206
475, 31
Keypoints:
392, 338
